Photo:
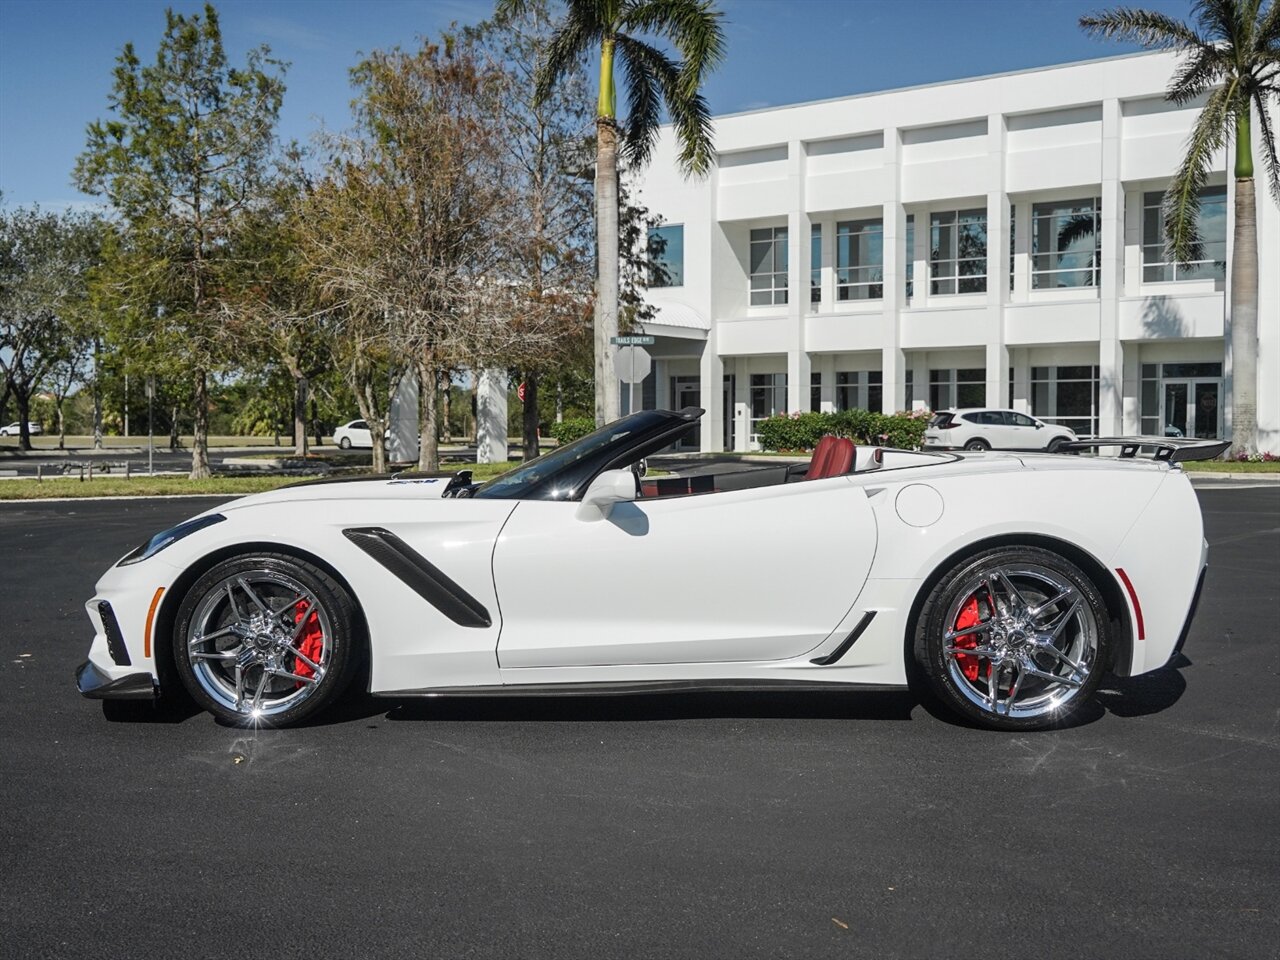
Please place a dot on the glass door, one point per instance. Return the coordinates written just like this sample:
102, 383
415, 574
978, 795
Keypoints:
1206, 411
1192, 408
686, 392
1175, 410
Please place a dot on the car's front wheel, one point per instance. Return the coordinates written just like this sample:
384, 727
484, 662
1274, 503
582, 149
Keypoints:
265, 638
1014, 638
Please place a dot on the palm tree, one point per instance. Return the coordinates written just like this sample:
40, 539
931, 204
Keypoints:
1232, 53
653, 81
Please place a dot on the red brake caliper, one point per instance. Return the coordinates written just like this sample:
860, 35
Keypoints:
969, 617
311, 643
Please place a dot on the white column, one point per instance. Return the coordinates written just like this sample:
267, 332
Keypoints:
798, 260
491, 417
997, 264
1110, 348
1022, 252
711, 376
893, 361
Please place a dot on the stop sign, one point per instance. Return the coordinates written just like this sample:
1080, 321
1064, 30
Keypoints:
633, 364
520, 392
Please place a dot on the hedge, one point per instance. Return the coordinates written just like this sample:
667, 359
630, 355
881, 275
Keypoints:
802, 431
573, 428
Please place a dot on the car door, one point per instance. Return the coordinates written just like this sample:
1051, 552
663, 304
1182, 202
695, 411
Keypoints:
1025, 433
745, 575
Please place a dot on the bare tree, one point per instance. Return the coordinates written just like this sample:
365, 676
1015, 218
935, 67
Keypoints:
405, 229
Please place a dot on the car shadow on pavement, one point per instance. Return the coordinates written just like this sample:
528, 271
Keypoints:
817, 705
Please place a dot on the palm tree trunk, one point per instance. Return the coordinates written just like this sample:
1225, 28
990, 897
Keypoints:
606, 317
1244, 308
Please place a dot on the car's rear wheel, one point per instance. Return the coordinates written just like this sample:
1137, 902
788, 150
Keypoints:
977, 443
345, 443
1014, 638
265, 639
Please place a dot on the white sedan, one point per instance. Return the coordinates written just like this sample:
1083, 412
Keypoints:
15, 429
574, 573
985, 429
353, 434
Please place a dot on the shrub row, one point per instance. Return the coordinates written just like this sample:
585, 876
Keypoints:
572, 428
802, 431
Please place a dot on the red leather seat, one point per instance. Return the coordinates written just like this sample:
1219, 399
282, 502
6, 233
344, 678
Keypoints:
831, 457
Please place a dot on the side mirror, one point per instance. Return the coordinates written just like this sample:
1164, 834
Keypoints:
1039, 425
610, 487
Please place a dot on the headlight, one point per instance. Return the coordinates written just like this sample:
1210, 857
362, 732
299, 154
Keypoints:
166, 537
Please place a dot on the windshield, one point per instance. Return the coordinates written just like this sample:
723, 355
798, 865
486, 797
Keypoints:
557, 475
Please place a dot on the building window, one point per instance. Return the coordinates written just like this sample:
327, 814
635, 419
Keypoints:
769, 267
860, 390
815, 392
815, 264
666, 256
860, 260
1066, 244
958, 257
910, 258
1066, 396
909, 388
1013, 238
1211, 226
952, 388
768, 398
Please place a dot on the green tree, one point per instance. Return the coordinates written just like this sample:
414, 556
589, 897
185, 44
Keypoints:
45, 260
1231, 56
653, 81
185, 152
274, 304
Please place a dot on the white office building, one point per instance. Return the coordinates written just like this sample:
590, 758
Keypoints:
995, 241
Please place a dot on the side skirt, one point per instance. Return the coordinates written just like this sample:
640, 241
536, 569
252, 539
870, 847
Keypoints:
631, 687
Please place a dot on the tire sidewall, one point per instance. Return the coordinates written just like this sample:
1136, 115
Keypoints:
338, 608
935, 662
977, 445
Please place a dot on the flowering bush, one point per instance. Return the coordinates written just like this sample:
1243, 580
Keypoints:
802, 431
1242, 457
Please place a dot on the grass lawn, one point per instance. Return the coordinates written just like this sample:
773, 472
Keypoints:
168, 486
1227, 466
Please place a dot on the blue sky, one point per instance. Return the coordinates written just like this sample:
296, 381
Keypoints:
56, 57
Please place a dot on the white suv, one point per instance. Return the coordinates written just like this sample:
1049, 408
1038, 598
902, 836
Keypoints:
979, 429
15, 428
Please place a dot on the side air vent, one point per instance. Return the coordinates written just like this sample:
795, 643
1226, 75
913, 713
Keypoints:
420, 575
835, 655
115, 639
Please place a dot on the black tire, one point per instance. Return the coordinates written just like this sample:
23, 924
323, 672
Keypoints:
1036, 703
330, 609
345, 443
977, 443
1056, 444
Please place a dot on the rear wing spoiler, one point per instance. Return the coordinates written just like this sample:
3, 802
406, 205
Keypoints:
1169, 449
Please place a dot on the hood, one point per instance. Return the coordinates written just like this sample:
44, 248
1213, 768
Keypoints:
349, 488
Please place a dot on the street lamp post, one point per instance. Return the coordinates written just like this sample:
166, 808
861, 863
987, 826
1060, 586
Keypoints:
151, 393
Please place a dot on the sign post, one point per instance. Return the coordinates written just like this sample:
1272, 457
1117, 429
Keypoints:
151, 435
633, 362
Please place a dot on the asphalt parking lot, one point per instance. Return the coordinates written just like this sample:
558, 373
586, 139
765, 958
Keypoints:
665, 826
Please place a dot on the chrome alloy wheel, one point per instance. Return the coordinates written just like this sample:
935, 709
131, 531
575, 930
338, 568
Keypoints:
1021, 641
259, 643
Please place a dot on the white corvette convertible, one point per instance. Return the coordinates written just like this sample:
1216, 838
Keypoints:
1005, 585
